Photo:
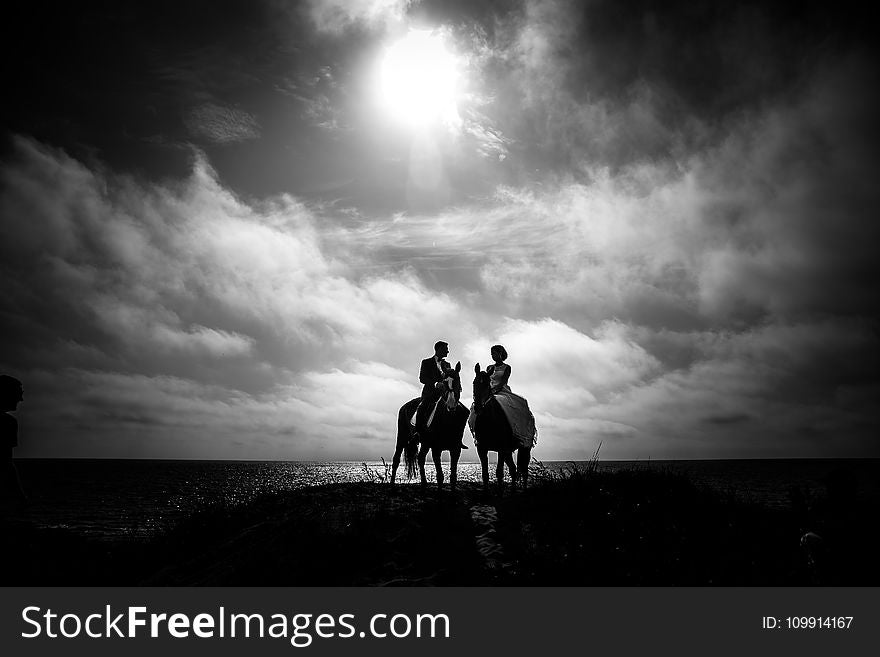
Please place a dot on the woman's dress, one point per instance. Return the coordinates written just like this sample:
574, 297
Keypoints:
516, 408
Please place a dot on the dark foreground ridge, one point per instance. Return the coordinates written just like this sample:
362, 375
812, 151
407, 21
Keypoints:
618, 529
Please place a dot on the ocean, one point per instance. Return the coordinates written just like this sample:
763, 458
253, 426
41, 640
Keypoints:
135, 499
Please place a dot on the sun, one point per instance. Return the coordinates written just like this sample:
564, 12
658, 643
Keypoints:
418, 79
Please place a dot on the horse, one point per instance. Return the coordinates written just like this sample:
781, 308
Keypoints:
492, 432
444, 434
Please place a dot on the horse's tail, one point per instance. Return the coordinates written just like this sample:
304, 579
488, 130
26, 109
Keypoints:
405, 433
411, 457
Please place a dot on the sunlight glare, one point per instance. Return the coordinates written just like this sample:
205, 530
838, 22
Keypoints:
418, 78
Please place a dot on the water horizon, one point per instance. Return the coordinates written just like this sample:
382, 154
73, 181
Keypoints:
491, 459
138, 498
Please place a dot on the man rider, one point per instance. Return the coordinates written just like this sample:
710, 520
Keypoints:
432, 375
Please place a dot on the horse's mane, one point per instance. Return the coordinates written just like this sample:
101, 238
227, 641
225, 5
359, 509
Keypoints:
481, 383
456, 383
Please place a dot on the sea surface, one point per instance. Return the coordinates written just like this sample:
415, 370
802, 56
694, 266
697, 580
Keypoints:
134, 499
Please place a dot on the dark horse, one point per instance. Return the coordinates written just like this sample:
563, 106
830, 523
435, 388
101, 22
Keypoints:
444, 434
492, 433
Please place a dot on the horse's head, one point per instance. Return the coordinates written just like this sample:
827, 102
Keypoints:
482, 387
452, 386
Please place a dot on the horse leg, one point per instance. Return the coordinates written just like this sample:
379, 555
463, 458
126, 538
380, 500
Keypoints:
438, 466
483, 455
499, 472
484, 464
508, 458
454, 455
523, 458
423, 453
395, 462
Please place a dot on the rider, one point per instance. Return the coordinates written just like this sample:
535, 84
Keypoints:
11, 394
432, 375
499, 372
522, 422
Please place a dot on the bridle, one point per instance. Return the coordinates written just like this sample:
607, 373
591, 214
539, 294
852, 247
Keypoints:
452, 386
482, 394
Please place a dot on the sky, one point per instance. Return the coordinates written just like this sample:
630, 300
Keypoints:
233, 229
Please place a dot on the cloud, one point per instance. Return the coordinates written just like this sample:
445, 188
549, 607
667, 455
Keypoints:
159, 330
780, 390
147, 317
789, 197
719, 302
133, 285
336, 16
221, 125
770, 221
567, 375
743, 271
666, 216
558, 363
582, 86
322, 416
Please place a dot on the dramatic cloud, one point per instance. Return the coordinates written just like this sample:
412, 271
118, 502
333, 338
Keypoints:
666, 216
770, 222
192, 284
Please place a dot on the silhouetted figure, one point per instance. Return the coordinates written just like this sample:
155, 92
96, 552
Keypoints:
445, 429
493, 433
432, 374
516, 408
442, 428
11, 394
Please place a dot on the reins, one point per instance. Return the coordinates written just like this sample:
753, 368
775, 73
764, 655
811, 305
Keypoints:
485, 396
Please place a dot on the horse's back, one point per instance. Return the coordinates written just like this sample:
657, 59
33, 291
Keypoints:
404, 416
408, 409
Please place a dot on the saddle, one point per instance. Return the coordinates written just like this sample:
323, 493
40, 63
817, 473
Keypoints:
448, 399
412, 420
